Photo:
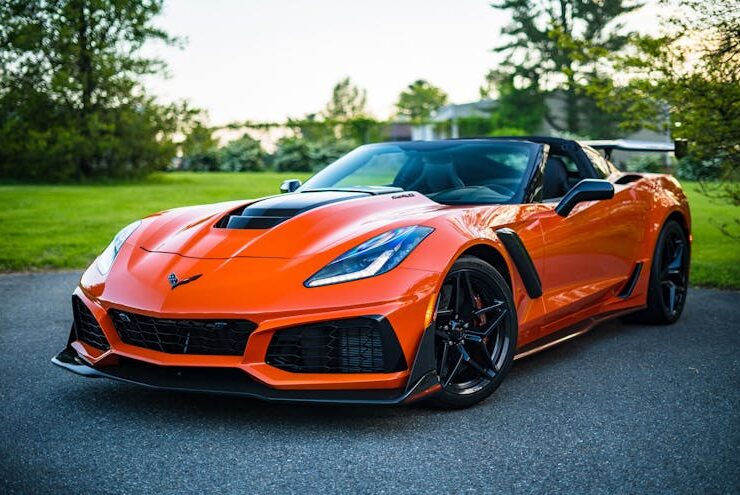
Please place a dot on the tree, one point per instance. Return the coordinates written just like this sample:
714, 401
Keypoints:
242, 155
507, 113
544, 56
199, 149
687, 80
293, 154
348, 101
71, 101
419, 100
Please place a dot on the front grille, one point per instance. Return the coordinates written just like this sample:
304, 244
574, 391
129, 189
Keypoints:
358, 345
183, 336
87, 328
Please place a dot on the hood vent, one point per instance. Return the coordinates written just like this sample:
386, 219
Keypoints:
269, 212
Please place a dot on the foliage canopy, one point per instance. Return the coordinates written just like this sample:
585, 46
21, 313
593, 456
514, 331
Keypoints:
71, 102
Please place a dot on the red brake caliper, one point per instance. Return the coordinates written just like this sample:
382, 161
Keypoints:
481, 319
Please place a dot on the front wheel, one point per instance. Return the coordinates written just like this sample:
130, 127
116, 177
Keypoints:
475, 335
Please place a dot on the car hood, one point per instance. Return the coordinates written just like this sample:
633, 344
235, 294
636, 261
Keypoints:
284, 226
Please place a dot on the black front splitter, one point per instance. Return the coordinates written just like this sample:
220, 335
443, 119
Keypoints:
232, 381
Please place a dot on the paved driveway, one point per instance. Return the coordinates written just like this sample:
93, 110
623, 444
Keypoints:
623, 409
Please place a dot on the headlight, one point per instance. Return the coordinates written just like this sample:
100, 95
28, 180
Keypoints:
105, 260
378, 255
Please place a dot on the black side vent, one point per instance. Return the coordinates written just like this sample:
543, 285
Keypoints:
358, 345
629, 286
86, 326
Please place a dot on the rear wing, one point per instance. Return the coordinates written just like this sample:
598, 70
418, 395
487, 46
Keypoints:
679, 147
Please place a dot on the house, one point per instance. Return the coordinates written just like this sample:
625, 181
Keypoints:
445, 123
449, 114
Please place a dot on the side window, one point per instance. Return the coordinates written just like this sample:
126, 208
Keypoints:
570, 165
601, 166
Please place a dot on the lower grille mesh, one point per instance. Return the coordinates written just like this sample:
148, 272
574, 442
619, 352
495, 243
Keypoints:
359, 345
183, 336
87, 328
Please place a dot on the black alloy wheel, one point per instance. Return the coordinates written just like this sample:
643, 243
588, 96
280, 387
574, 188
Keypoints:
475, 335
669, 278
674, 272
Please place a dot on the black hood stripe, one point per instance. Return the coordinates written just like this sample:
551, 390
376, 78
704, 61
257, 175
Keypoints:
272, 211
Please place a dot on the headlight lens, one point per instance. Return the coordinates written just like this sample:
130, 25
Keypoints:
378, 255
105, 260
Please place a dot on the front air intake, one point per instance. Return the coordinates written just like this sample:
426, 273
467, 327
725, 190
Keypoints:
87, 329
183, 336
358, 345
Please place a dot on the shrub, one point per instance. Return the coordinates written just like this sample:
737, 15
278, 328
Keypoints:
242, 155
293, 154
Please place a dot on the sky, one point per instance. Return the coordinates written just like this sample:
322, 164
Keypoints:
266, 60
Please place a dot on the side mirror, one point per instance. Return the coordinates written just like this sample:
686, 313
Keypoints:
586, 190
290, 185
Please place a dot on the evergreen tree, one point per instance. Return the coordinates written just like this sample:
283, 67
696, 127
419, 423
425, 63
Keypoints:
419, 100
544, 55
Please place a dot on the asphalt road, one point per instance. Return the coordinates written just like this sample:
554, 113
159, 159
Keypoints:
624, 409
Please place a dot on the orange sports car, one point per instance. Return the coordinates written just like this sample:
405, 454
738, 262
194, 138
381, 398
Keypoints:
403, 271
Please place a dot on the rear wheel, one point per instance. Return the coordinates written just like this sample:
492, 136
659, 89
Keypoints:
476, 330
669, 278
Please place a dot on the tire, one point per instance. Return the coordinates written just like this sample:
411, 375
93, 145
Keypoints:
476, 337
669, 278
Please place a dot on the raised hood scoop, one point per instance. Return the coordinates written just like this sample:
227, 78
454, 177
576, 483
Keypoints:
270, 212
283, 226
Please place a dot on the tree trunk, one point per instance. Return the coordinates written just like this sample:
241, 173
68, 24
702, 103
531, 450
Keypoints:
571, 106
84, 66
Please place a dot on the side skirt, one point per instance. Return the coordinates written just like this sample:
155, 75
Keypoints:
566, 334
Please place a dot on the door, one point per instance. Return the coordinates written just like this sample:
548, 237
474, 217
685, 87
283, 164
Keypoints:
588, 255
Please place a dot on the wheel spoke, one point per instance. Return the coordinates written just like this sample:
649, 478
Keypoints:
443, 361
487, 309
454, 371
469, 287
471, 362
492, 326
495, 352
674, 265
458, 299
671, 294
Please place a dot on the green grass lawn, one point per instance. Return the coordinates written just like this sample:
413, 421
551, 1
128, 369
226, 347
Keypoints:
715, 257
49, 227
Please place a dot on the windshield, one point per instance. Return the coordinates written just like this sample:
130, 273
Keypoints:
450, 172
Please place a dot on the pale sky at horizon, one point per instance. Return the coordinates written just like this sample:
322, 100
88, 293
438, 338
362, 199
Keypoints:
268, 60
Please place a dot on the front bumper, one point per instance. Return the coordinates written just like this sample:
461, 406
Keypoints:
272, 307
423, 381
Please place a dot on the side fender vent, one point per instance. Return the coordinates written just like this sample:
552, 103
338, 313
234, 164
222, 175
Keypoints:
629, 286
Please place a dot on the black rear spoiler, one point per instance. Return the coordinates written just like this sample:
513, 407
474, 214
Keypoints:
679, 147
